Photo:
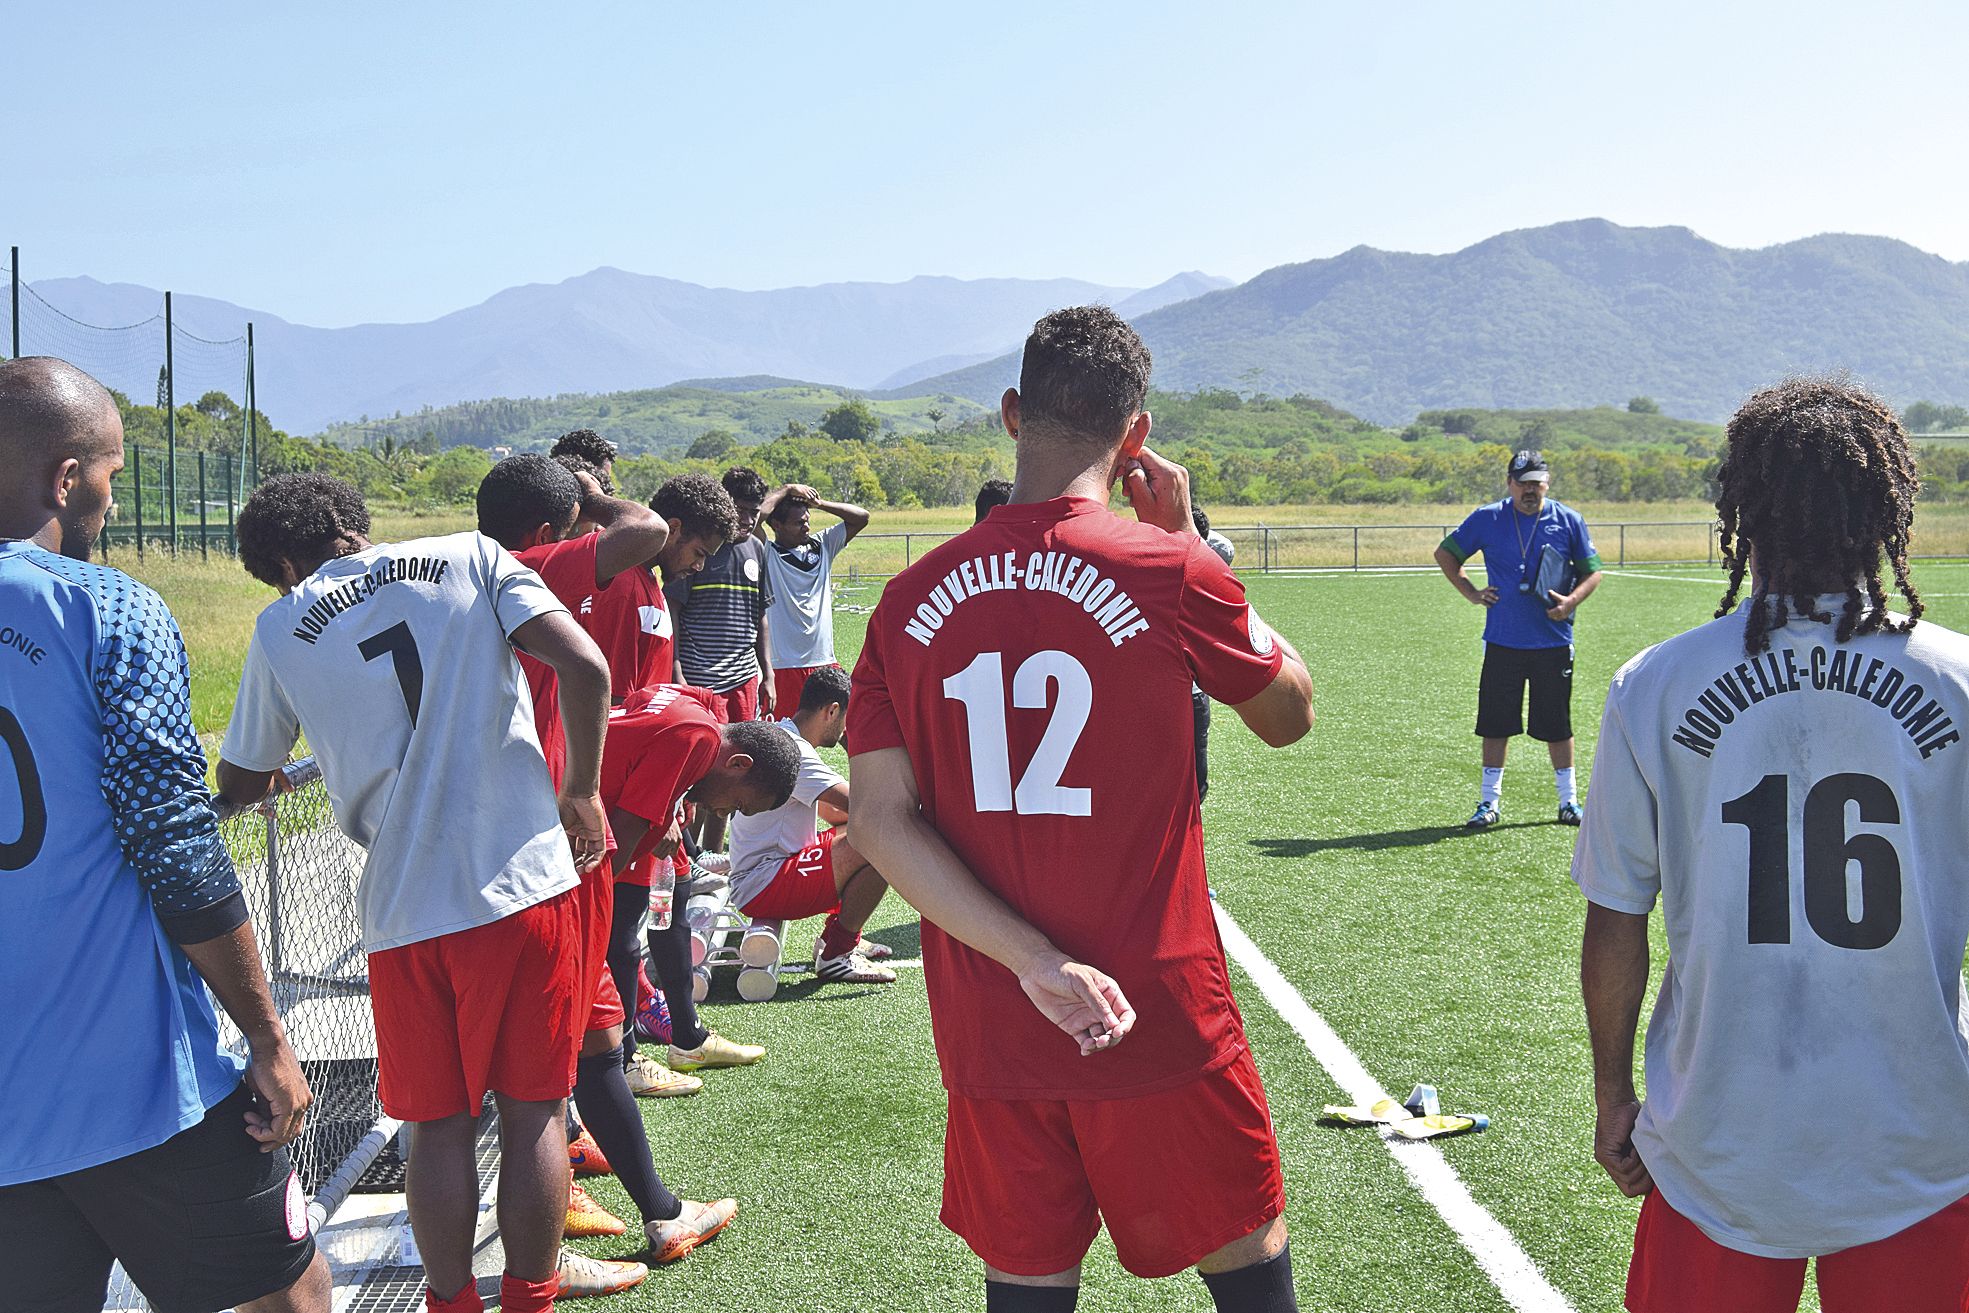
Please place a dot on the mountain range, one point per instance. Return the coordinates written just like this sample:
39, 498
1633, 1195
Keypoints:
1573, 314
606, 330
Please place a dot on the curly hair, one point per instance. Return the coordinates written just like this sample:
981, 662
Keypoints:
587, 444
523, 492
1818, 479
992, 494
700, 506
300, 519
742, 482
1083, 375
775, 761
582, 465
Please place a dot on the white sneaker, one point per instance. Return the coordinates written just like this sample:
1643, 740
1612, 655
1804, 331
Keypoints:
581, 1276
851, 968
650, 1079
670, 1241
713, 863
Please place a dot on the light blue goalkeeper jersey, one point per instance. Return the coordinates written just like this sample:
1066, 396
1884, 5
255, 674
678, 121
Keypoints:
109, 856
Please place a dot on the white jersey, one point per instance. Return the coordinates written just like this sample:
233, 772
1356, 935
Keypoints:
1802, 815
761, 843
800, 622
396, 663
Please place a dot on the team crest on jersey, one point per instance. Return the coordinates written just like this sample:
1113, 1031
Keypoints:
1261, 634
751, 570
655, 620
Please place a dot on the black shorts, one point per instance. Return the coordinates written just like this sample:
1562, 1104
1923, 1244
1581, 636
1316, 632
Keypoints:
1501, 692
202, 1222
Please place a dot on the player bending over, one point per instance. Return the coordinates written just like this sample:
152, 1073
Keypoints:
118, 900
1789, 781
397, 662
1027, 687
786, 868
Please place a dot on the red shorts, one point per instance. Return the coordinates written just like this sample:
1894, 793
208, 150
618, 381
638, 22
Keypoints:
737, 704
788, 683
497, 1007
606, 1010
804, 886
597, 911
1028, 1183
1678, 1269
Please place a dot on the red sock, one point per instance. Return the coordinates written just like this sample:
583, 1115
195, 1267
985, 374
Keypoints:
517, 1296
836, 940
465, 1301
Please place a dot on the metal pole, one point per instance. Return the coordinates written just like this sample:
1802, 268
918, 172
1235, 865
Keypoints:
905, 551
232, 537
14, 283
252, 405
137, 478
276, 951
170, 427
1357, 547
1623, 546
203, 532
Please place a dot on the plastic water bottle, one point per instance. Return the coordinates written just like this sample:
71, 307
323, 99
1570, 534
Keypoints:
662, 895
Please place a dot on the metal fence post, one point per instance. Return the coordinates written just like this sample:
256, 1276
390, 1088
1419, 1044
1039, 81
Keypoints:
170, 427
1357, 547
232, 538
905, 551
1709, 544
137, 482
204, 531
276, 953
1623, 546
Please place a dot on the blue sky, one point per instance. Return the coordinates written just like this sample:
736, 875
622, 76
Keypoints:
345, 162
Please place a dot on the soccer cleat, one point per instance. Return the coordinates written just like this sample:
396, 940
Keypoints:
851, 968
713, 863
584, 1156
1483, 818
650, 1079
585, 1217
716, 1051
1570, 813
670, 1241
581, 1276
873, 951
652, 1009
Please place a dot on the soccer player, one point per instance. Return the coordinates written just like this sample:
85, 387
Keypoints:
592, 447
1021, 778
118, 899
1788, 780
397, 662
786, 868
991, 494
1542, 565
800, 571
723, 635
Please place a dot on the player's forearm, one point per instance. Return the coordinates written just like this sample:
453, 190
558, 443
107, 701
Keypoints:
1585, 589
631, 535
1613, 973
853, 516
1453, 571
584, 719
230, 966
921, 867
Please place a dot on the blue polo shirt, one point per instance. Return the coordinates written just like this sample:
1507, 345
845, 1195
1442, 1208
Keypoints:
1512, 543
109, 858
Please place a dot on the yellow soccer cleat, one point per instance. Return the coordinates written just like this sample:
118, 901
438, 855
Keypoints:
716, 1051
585, 1217
650, 1079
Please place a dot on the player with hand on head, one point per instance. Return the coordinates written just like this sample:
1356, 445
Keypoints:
1542, 565
590, 446
1008, 684
118, 899
397, 661
800, 567
1788, 780
786, 868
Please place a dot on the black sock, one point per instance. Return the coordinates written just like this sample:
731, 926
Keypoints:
618, 1129
573, 1123
1004, 1297
1261, 1288
670, 962
631, 901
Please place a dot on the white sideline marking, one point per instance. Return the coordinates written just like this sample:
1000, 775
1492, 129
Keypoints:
1716, 582
1496, 1250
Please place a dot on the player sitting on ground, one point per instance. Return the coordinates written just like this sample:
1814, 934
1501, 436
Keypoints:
1017, 743
1788, 780
526, 504
397, 661
785, 868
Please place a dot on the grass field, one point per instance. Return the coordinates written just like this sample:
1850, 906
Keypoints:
1434, 954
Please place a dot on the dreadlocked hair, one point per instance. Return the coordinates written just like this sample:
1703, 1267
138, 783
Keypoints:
1818, 477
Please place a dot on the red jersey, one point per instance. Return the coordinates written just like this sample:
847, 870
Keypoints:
1038, 668
630, 622
660, 742
568, 569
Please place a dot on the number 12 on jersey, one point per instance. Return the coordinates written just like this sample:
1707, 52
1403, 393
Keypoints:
980, 686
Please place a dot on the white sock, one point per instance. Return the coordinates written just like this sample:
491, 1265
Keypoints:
1568, 791
1493, 784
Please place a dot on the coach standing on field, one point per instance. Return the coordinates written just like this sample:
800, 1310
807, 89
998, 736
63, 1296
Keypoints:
1541, 565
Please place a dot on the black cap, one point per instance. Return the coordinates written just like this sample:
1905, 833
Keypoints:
1529, 466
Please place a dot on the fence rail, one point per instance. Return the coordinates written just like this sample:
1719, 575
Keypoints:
191, 504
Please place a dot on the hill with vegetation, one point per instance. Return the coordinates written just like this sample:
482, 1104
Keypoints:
1575, 314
